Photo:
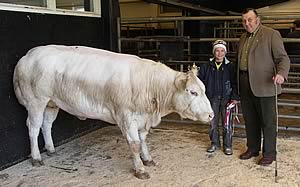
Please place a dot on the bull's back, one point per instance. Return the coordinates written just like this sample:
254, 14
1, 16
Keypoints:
76, 62
73, 77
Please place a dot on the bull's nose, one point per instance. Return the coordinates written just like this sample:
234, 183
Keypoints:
211, 116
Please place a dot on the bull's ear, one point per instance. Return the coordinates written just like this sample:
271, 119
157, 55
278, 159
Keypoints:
180, 80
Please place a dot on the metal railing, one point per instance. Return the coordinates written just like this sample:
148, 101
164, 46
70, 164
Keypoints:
179, 31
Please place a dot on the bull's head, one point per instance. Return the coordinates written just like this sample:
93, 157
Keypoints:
190, 100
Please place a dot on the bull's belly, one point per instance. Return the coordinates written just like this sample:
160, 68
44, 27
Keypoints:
82, 112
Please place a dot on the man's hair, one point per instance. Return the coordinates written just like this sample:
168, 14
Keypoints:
297, 23
248, 10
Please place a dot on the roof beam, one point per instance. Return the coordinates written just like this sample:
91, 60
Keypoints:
186, 5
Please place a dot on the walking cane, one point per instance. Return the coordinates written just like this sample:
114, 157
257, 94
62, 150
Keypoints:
276, 156
276, 109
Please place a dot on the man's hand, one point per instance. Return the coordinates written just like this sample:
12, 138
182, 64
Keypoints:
278, 79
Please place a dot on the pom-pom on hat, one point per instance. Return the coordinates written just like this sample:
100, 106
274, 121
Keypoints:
219, 43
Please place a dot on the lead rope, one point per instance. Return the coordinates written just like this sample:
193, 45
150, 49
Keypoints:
236, 118
231, 116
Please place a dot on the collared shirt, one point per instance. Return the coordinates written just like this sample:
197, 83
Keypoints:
218, 65
246, 48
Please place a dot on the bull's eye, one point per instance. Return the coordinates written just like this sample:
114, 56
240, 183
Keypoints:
194, 93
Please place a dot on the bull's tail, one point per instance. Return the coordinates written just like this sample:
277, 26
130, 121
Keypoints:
17, 86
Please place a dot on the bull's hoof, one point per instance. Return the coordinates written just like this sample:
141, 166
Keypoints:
37, 163
142, 175
49, 153
149, 163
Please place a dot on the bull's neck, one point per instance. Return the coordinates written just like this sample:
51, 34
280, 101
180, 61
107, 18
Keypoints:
163, 89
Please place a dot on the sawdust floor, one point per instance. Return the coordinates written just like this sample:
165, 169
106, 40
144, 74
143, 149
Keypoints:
102, 158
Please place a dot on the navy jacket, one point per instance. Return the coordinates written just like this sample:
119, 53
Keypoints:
220, 82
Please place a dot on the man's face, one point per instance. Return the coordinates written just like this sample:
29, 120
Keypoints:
219, 54
250, 21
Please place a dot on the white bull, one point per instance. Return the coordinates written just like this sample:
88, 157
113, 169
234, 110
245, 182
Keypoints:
121, 89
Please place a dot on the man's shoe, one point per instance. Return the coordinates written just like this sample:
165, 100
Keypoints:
212, 149
228, 151
265, 161
248, 154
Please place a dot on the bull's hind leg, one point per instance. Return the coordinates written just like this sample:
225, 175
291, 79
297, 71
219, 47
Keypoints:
34, 123
145, 155
50, 115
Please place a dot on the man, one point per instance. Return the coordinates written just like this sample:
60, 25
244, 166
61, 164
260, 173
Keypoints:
263, 65
219, 77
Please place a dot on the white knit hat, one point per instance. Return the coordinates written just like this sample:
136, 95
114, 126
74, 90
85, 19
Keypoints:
219, 43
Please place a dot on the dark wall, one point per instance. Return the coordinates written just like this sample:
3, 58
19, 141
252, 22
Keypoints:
19, 32
110, 15
200, 29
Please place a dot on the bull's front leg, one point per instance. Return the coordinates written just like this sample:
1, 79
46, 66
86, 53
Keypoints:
134, 143
145, 154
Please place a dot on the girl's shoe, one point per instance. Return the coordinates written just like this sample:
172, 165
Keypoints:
212, 149
228, 151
